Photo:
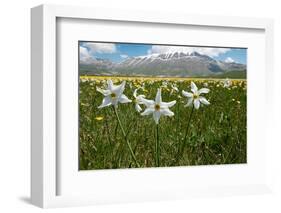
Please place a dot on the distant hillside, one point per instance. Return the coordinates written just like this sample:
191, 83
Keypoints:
176, 64
233, 74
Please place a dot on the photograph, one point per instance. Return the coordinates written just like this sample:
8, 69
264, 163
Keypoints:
147, 105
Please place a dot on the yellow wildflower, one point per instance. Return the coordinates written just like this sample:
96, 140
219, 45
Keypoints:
99, 118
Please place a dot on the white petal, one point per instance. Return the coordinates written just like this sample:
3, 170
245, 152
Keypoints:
168, 104
110, 84
124, 99
196, 103
204, 101
158, 98
135, 93
123, 86
189, 102
139, 99
118, 90
147, 102
166, 112
203, 90
148, 111
175, 88
104, 92
156, 116
187, 94
105, 102
138, 108
193, 87
114, 101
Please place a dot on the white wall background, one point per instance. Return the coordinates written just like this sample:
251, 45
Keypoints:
15, 98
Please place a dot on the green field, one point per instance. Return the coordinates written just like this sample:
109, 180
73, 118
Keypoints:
212, 134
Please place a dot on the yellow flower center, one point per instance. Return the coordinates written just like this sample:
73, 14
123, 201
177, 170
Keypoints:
113, 95
157, 107
195, 96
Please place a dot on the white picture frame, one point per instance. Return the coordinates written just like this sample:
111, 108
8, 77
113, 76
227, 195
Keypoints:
44, 154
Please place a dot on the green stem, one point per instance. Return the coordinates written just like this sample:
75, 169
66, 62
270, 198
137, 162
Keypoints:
157, 145
107, 129
188, 125
180, 152
178, 125
124, 134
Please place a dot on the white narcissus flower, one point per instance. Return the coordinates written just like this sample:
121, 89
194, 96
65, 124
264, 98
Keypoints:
194, 97
227, 83
113, 94
174, 89
138, 100
164, 83
157, 107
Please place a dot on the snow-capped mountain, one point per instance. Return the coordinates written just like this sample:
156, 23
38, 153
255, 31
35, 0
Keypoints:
168, 64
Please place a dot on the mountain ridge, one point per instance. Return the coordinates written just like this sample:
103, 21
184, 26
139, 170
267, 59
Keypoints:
177, 64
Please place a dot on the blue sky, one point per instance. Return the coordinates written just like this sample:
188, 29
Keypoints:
120, 51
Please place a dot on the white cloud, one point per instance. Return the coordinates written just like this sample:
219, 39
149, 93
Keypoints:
212, 52
84, 54
229, 60
124, 56
100, 47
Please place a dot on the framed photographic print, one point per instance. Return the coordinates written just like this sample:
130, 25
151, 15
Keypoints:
135, 109
136, 106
